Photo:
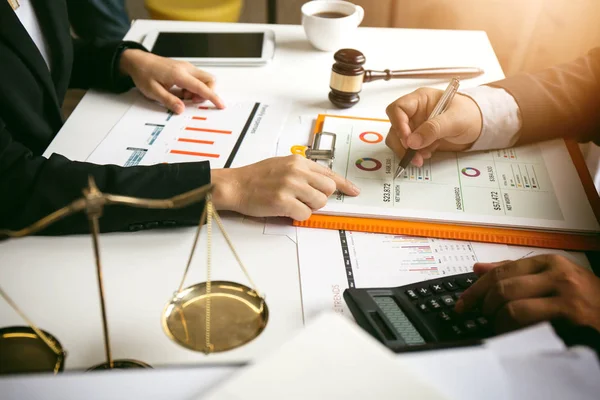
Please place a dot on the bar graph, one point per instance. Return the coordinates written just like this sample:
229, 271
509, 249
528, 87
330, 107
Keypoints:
417, 174
377, 257
136, 157
148, 134
206, 133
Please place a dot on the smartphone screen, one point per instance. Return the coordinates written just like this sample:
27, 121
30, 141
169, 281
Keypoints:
209, 45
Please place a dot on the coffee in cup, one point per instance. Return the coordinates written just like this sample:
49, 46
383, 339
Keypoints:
331, 25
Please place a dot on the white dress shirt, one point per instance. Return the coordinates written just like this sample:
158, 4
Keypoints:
29, 20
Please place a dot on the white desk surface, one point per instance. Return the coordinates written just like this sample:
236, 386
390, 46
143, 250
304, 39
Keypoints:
53, 279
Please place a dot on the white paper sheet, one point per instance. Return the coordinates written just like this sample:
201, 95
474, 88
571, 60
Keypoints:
532, 340
331, 358
572, 374
245, 132
464, 373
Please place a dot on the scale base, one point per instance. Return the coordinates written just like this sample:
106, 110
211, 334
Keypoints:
120, 364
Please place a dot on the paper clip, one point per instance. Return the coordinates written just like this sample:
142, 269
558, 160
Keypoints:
322, 149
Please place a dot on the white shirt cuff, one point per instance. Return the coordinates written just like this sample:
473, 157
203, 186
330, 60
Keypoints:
500, 115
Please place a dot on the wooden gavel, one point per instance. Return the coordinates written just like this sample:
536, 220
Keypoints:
348, 75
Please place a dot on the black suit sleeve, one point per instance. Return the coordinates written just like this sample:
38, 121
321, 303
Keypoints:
32, 187
97, 65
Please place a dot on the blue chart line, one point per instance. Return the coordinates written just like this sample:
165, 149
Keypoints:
136, 156
154, 135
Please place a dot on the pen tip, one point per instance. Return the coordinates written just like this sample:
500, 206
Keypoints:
399, 172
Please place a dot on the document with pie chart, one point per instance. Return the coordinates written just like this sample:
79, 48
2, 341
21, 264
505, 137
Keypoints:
535, 186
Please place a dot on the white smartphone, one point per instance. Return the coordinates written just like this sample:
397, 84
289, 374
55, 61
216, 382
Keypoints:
214, 48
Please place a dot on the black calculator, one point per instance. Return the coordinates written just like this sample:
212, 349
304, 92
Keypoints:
417, 314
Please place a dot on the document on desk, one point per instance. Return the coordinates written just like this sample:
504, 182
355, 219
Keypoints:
331, 261
246, 131
331, 358
535, 186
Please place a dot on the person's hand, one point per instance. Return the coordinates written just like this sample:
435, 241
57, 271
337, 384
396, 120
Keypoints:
289, 186
154, 76
527, 291
454, 130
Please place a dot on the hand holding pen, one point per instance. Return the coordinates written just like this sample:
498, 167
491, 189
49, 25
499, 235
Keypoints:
418, 123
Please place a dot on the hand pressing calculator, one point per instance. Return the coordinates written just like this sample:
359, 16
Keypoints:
419, 314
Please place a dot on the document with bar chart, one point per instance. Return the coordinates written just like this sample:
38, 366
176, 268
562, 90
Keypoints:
331, 261
246, 131
535, 186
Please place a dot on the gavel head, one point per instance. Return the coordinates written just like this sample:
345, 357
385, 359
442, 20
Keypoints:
347, 75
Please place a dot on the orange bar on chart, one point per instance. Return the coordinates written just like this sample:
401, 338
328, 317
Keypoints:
187, 140
203, 108
199, 118
193, 153
189, 128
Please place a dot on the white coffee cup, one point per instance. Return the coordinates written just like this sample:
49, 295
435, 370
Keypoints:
330, 34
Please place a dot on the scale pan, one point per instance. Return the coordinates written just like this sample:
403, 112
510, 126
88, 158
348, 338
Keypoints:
22, 351
238, 315
120, 364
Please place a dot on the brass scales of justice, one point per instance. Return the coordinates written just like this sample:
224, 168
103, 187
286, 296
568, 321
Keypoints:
187, 318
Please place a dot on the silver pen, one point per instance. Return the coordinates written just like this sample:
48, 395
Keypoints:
440, 107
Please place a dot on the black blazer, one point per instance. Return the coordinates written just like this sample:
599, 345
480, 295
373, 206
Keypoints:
32, 186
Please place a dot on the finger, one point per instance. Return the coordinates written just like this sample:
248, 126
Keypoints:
417, 160
430, 149
402, 110
197, 99
186, 94
482, 268
191, 83
475, 294
208, 79
426, 154
428, 133
520, 313
341, 183
321, 182
393, 141
517, 288
313, 198
296, 209
159, 93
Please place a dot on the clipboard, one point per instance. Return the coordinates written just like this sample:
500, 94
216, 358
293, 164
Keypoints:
467, 232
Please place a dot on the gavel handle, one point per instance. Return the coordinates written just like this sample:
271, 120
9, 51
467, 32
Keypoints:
423, 73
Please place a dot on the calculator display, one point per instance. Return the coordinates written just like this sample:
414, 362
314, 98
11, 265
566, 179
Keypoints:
399, 320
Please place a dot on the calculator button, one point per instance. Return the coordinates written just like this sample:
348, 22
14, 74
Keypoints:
470, 325
411, 294
450, 285
437, 288
482, 321
444, 316
423, 292
423, 307
457, 295
434, 304
465, 282
457, 330
447, 300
